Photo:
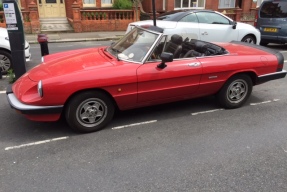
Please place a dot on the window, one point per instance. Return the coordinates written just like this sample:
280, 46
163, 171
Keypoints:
190, 18
186, 4
274, 10
107, 3
89, 3
211, 18
226, 4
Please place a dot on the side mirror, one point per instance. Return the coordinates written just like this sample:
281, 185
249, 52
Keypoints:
234, 24
165, 57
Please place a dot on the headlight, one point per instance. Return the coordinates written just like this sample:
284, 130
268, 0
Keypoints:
40, 88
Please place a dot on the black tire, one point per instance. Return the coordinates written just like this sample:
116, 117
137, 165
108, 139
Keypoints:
249, 39
235, 91
5, 61
93, 104
263, 43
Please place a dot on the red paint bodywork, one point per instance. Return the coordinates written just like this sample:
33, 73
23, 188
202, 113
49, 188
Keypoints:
133, 85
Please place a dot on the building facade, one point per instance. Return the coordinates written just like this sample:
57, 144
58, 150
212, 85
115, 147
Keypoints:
98, 15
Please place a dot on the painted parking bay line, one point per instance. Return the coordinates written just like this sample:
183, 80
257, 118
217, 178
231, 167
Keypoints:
209, 111
264, 102
134, 124
36, 143
1, 92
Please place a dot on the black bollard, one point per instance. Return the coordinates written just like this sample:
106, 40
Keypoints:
43, 40
0, 73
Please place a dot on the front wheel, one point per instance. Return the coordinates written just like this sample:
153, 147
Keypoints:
5, 61
235, 91
89, 111
249, 39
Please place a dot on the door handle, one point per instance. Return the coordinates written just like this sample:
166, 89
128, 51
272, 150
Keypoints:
193, 64
204, 33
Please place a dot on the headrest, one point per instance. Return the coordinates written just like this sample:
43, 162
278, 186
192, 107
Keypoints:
201, 46
177, 39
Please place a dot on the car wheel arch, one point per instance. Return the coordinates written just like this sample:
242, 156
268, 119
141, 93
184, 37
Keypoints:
251, 35
87, 90
251, 74
235, 90
4, 49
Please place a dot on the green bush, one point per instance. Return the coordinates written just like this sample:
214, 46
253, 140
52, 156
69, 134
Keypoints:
11, 76
122, 4
1, 7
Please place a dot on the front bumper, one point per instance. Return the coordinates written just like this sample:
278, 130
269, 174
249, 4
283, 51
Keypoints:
271, 76
30, 109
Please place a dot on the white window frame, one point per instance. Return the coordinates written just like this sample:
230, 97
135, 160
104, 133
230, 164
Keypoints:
106, 4
90, 4
222, 4
190, 5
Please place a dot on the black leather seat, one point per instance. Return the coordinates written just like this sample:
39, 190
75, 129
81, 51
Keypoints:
174, 46
192, 53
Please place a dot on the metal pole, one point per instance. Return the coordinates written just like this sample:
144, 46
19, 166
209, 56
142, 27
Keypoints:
153, 10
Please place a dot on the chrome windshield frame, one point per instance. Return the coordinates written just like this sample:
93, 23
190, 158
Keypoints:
147, 55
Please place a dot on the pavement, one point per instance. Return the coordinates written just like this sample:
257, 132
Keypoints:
67, 37
73, 37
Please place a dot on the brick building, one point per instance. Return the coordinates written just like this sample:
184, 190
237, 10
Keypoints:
239, 10
98, 15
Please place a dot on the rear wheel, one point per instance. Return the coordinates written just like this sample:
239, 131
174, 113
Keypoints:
249, 39
5, 61
89, 111
263, 43
235, 91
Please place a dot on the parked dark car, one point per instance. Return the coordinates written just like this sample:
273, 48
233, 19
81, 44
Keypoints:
271, 20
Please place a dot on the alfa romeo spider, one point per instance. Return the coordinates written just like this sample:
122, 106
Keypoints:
146, 67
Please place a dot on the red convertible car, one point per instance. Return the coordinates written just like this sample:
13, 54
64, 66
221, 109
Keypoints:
145, 67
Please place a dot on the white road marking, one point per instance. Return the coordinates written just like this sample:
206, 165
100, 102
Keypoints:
264, 102
35, 143
134, 124
1, 92
203, 112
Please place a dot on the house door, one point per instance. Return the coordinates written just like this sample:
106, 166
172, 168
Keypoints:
51, 8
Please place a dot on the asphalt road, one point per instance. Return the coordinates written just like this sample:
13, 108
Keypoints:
185, 146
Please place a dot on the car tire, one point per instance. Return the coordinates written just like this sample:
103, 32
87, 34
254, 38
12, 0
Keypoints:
5, 61
249, 39
263, 43
89, 111
235, 91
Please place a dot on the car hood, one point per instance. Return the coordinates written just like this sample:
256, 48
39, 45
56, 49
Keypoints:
65, 63
159, 23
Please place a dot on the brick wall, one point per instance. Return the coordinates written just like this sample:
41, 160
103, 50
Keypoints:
211, 4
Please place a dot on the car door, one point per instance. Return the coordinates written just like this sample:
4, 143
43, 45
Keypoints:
214, 27
178, 79
188, 26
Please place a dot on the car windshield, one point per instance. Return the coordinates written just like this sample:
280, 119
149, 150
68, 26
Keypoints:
135, 45
274, 9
